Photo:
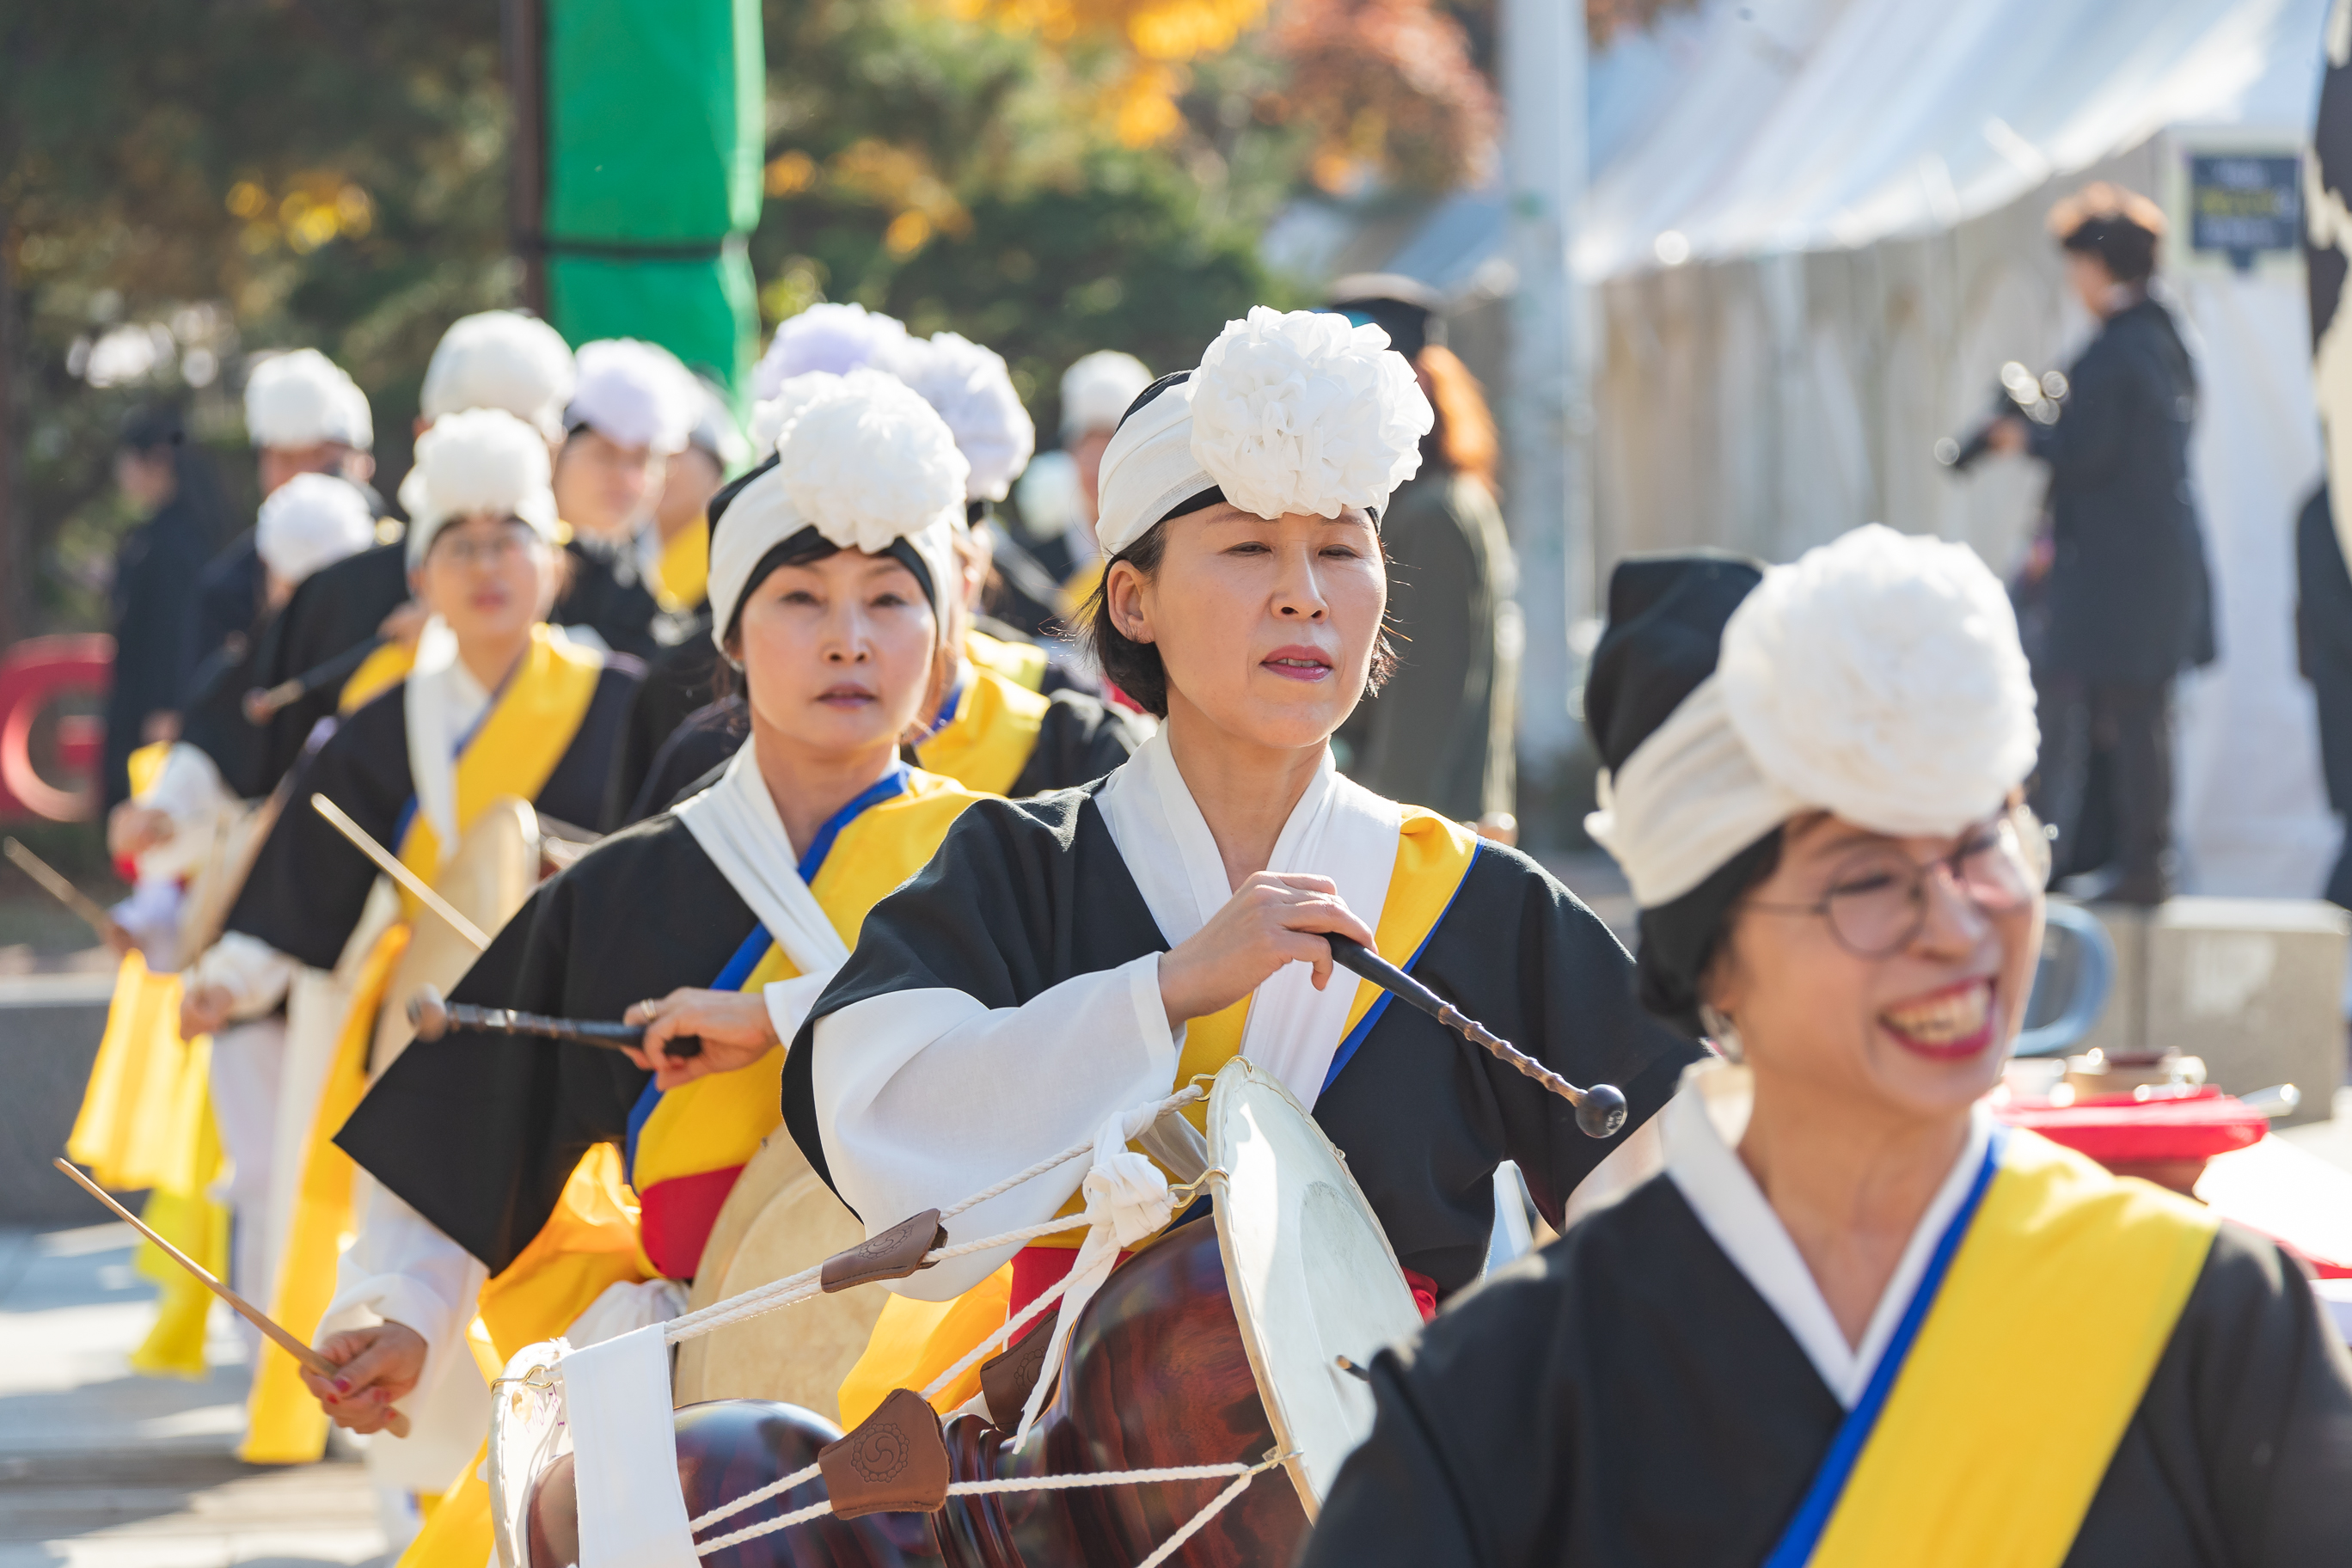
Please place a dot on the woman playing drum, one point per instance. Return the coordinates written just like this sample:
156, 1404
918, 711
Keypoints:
498, 706
1853, 1322
507, 1158
1068, 958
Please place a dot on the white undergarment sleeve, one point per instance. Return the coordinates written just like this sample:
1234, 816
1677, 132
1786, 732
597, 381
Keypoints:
255, 973
926, 1097
403, 1269
190, 791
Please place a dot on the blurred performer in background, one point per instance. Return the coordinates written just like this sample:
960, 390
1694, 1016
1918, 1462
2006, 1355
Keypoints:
303, 416
631, 412
2323, 536
494, 359
186, 831
2129, 604
1830, 1316
2323, 646
152, 617
1441, 731
1095, 392
497, 705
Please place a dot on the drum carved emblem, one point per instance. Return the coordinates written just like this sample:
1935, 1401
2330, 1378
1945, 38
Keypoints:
895, 1462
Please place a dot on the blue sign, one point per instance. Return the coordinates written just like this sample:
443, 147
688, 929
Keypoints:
2243, 205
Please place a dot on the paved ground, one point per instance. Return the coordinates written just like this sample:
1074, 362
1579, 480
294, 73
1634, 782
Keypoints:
102, 1469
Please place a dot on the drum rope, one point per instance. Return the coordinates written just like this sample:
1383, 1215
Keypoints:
1012, 1326
1242, 1475
805, 1284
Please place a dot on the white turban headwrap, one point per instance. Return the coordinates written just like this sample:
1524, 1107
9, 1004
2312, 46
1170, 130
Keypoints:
480, 460
866, 463
1096, 391
1293, 411
309, 521
635, 395
835, 339
302, 398
1878, 678
500, 359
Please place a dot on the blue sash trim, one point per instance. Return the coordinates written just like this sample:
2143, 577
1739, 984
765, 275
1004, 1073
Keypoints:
755, 947
949, 705
1349, 1046
1804, 1532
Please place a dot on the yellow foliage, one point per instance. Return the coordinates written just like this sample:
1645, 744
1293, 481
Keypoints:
907, 233
789, 174
1143, 110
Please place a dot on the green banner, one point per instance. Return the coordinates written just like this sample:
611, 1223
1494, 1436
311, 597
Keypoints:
655, 113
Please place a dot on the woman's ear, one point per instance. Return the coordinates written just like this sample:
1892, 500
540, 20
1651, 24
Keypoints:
1123, 594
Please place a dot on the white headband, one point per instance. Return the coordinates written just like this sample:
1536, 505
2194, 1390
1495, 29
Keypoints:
866, 464
1293, 411
1878, 678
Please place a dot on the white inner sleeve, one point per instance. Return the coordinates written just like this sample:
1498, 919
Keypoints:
403, 1269
924, 1098
1706, 1168
190, 791
253, 973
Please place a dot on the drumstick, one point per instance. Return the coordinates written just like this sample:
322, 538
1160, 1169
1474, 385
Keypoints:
54, 883
389, 865
263, 702
1599, 1110
434, 1018
394, 1422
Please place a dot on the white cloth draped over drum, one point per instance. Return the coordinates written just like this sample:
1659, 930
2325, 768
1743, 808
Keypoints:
1002, 1005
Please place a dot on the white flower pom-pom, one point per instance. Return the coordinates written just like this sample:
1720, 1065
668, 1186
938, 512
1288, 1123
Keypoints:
970, 388
835, 339
1301, 411
1880, 677
870, 462
773, 415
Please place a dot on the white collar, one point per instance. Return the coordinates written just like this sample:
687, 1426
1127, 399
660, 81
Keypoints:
1700, 1126
1339, 829
442, 705
736, 823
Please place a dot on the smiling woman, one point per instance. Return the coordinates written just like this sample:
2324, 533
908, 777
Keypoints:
1895, 1334
1067, 958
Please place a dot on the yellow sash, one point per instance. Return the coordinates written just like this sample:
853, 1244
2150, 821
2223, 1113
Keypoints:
1081, 586
1021, 663
1989, 1449
683, 572
382, 670
914, 1341
284, 1426
530, 725
989, 741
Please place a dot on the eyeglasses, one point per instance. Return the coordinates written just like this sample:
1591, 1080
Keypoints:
1876, 903
508, 542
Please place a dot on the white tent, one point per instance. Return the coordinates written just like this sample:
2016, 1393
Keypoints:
1820, 237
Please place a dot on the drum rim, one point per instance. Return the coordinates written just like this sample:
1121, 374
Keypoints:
509, 1526
1240, 1069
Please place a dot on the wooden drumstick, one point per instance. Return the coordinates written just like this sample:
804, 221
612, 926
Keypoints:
434, 1018
394, 1422
53, 882
389, 865
263, 702
1599, 1110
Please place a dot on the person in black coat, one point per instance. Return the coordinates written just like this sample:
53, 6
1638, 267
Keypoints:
2130, 604
2322, 645
150, 603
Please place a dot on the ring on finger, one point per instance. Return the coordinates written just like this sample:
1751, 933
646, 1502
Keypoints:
650, 1009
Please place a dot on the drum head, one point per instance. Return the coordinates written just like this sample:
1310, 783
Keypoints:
527, 1434
779, 1219
1311, 1273
487, 880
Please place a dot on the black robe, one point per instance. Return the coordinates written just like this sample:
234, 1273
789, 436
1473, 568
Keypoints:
334, 610
1625, 1397
153, 612
677, 683
1023, 896
479, 1132
230, 600
310, 884
608, 595
1081, 739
